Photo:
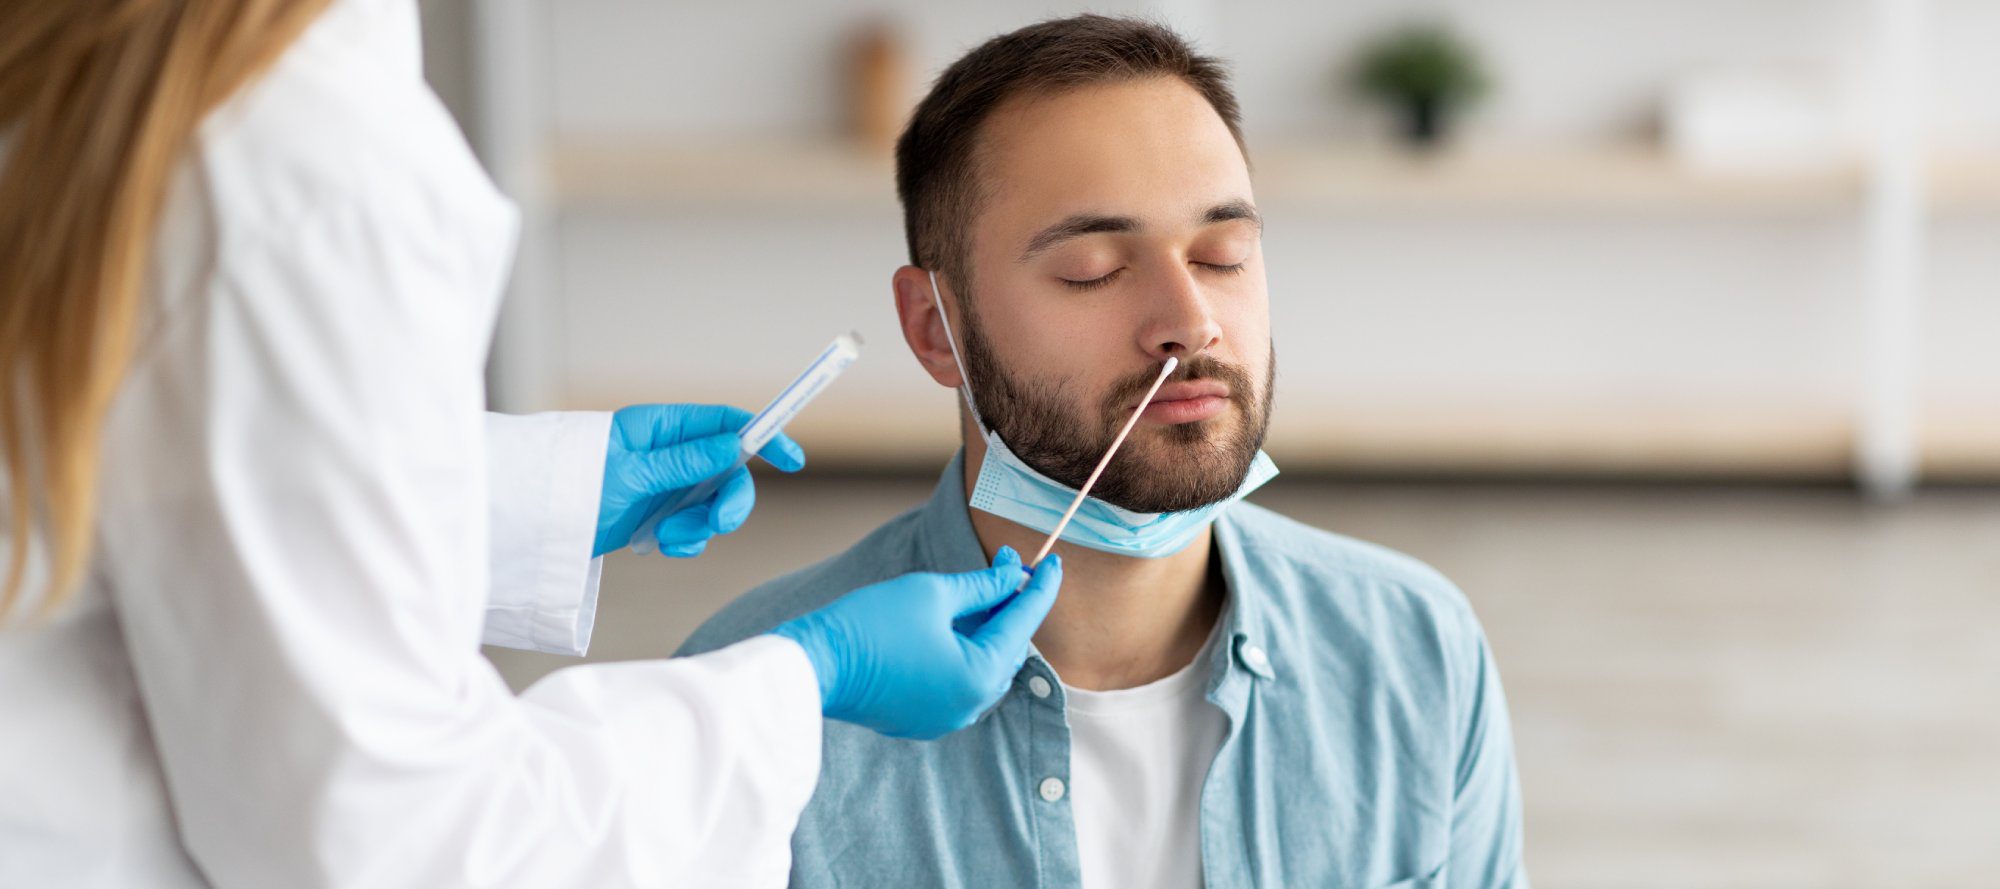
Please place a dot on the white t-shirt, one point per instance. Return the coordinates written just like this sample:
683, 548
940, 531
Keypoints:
1138, 759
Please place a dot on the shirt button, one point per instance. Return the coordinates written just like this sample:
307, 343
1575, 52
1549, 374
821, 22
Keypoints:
1052, 789
1038, 686
1256, 658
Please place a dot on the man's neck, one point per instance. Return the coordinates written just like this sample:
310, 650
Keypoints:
1120, 622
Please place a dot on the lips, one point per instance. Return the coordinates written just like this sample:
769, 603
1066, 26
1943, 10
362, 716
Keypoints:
1191, 389
1187, 402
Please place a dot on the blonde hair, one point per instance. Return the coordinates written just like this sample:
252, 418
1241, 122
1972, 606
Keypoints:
98, 99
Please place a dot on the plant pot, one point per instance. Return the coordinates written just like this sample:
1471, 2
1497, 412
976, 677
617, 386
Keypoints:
1425, 122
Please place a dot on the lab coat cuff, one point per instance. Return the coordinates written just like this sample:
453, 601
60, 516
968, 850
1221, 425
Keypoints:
545, 581
795, 724
570, 576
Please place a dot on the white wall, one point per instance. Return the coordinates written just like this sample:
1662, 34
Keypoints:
1569, 68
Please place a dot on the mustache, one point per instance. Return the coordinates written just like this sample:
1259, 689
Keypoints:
1118, 402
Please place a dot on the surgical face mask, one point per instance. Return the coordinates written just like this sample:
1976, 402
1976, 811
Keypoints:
1015, 491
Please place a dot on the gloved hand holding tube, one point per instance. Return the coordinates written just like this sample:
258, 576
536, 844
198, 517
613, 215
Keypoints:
658, 452
674, 520
902, 658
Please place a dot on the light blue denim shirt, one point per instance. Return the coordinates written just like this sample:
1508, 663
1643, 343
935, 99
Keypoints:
1368, 742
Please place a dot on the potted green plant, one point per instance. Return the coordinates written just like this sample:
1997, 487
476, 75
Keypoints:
1425, 74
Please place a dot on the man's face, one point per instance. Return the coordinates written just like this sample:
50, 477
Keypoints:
1117, 229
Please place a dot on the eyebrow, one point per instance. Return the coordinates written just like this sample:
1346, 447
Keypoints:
1230, 211
1094, 224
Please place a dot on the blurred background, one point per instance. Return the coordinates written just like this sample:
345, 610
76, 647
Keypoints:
1665, 328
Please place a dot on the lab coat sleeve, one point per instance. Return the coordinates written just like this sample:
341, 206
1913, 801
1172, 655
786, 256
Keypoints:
544, 473
294, 534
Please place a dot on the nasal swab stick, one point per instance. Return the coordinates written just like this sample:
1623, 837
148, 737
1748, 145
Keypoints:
1070, 513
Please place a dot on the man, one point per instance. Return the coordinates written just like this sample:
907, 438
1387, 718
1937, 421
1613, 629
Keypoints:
1221, 696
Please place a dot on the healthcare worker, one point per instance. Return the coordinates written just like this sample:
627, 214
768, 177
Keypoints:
258, 521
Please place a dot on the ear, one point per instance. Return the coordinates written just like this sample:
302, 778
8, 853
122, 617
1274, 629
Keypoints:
923, 327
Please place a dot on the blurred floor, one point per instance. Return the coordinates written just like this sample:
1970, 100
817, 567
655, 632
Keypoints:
1711, 687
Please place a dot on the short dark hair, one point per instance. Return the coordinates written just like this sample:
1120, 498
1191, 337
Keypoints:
936, 175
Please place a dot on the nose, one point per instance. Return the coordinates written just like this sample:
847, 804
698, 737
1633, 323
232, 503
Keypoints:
1181, 323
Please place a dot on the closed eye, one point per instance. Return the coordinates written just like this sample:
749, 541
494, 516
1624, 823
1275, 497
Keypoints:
1224, 269
1093, 283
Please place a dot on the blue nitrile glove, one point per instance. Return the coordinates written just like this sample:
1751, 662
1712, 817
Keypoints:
896, 658
659, 450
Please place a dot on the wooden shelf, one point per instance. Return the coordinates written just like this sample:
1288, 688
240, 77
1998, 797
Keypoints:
635, 174
1966, 183
1570, 438
1420, 436
1960, 442
1624, 179
639, 174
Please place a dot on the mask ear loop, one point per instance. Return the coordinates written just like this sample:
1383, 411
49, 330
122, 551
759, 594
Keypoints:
965, 379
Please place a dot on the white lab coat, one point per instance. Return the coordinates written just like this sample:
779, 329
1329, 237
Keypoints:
272, 676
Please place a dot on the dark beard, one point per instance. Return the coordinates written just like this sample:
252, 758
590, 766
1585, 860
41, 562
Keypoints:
1041, 425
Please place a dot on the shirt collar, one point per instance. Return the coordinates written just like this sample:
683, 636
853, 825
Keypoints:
945, 528
1244, 617
949, 544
